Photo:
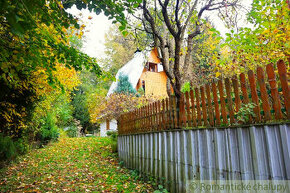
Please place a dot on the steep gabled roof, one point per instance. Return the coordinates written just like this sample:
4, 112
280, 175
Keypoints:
133, 69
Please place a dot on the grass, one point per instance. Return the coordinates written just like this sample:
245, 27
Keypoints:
71, 165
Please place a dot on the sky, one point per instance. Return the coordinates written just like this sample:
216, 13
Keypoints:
95, 31
99, 25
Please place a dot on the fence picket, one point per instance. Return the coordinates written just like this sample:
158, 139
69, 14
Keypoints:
192, 109
274, 91
159, 115
282, 70
163, 115
237, 93
255, 99
209, 105
198, 107
189, 122
171, 112
223, 103
216, 104
174, 112
204, 108
246, 99
229, 100
264, 94
167, 115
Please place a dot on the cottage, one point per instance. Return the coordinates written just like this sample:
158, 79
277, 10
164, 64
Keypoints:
144, 70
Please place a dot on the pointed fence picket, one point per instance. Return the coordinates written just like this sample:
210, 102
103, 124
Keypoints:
217, 104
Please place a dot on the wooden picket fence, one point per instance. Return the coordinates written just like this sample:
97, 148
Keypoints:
216, 104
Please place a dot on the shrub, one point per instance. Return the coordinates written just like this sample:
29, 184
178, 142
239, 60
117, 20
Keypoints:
22, 145
7, 148
49, 130
114, 137
72, 131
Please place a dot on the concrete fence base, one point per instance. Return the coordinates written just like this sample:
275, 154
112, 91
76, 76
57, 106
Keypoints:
177, 157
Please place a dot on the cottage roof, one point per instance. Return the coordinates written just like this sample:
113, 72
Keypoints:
133, 69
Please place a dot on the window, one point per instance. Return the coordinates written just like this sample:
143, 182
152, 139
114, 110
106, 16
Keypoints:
143, 85
108, 124
152, 67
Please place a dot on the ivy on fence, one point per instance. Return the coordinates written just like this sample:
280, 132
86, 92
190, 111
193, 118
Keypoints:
245, 100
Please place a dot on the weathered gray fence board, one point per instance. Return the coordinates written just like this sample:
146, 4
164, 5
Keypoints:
173, 157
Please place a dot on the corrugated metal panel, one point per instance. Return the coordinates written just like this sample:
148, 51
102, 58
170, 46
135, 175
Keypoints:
173, 157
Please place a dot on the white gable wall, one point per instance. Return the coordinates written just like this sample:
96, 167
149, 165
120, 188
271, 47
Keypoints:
103, 127
133, 69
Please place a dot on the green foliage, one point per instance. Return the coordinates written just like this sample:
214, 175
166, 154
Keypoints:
49, 130
10, 148
72, 131
114, 137
114, 9
7, 148
118, 50
161, 189
64, 111
141, 92
185, 87
267, 41
83, 96
245, 112
124, 86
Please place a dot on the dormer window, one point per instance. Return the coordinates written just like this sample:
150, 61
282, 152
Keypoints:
153, 67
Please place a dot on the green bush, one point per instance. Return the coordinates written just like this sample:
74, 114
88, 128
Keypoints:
22, 146
114, 137
49, 130
72, 131
7, 148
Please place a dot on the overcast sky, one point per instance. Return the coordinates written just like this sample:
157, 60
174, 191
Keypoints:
99, 25
95, 31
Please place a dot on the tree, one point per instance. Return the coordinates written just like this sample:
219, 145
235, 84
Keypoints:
267, 42
118, 50
173, 29
124, 86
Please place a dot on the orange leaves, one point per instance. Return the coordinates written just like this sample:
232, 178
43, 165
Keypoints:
71, 165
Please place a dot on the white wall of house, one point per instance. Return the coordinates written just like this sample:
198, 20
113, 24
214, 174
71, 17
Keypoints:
103, 127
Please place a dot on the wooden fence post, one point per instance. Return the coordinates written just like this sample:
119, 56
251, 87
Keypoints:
274, 91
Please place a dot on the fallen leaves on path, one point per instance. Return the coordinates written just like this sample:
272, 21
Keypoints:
70, 165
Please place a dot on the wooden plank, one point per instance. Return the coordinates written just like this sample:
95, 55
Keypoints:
143, 118
189, 122
264, 94
192, 109
204, 108
282, 70
198, 106
155, 116
171, 120
151, 116
229, 101
167, 116
158, 116
209, 105
244, 89
237, 93
163, 115
182, 112
148, 117
216, 104
255, 99
174, 112
223, 103
274, 91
